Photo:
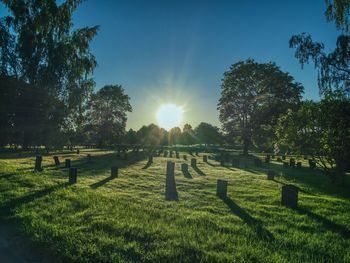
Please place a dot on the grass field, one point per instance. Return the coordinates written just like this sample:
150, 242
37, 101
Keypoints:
127, 219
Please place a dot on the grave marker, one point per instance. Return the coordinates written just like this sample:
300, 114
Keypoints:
290, 196
170, 185
38, 160
270, 175
57, 160
205, 158
114, 171
221, 188
73, 175
193, 162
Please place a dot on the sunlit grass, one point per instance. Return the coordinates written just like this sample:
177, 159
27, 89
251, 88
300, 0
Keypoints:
127, 219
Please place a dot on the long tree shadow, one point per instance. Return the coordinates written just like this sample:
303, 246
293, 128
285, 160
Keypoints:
249, 220
197, 170
330, 225
300, 190
187, 174
102, 182
7, 176
8, 206
148, 164
213, 165
311, 179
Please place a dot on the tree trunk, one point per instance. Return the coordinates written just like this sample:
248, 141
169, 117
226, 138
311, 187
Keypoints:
246, 143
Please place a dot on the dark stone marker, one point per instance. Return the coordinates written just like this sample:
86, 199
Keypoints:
270, 175
184, 167
165, 154
279, 159
78, 151
305, 157
150, 159
73, 175
170, 185
267, 158
89, 158
38, 160
292, 162
114, 171
298, 164
185, 157
67, 163
290, 196
57, 161
193, 162
283, 157
221, 188
205, 158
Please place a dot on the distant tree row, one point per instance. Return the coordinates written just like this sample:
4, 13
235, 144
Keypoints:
152, 134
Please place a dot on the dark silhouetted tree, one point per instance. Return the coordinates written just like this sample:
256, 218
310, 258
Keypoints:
207, 134
254, 95
108, 114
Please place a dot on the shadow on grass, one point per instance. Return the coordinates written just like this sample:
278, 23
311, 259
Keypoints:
7, 176
187, 174
213, 165
330, 225
310, 179
148, 164
300, 190
197, 170
7, 207
261, 232
102, 182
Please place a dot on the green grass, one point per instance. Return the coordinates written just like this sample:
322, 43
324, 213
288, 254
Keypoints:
127, 219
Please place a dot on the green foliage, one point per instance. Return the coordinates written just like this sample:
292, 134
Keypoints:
107, 114
333, 68
338, 11
253, 96
40, 49
208, 134
320, 129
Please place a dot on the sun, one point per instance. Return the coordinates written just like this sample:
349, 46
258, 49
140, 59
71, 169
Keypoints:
169, 116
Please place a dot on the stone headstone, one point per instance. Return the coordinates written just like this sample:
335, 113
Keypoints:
267, 158
184, 167
221, 188
89, 158
38, 160
185, 157
283, 157
165, 154
78, 151
114, 171
312, 164
150, 159
73, 172
290, 196
270, 175
279, 159
193, 162
170, 184
205, 158
299, 164
67, 163
57, 160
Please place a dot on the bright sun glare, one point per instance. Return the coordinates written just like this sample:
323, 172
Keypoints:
169, 116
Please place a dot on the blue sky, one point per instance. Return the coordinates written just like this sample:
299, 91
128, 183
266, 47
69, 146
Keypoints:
177, 51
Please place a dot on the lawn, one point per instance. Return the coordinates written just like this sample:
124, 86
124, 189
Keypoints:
128, 219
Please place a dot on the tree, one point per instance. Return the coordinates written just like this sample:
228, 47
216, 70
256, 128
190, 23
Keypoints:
39, 48
338, 11
188, 136
150, 135
131, 137
207, 133
254, 95
333, 68
107, 114
320, 129
174, 136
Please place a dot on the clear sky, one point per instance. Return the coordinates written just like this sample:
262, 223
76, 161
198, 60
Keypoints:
177, 51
